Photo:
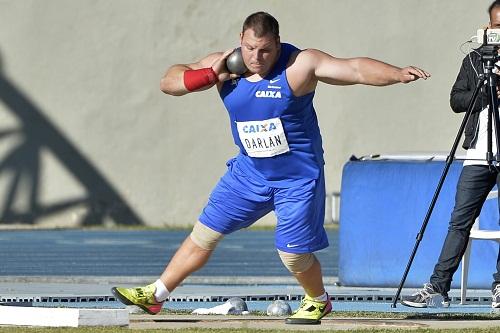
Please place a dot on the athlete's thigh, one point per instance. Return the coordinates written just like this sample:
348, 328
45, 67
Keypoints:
236, 202
300, 211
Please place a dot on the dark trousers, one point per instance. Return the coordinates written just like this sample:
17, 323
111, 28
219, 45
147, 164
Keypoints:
474, 184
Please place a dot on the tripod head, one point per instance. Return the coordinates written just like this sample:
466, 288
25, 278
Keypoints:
489, 55
489, 52
490, 39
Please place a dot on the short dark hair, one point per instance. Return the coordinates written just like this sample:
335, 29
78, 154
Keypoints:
494, 4
262, 23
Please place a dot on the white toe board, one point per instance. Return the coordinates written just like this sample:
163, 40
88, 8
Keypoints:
62, 317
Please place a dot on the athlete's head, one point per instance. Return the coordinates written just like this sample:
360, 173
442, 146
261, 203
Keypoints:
260, 42
494, 11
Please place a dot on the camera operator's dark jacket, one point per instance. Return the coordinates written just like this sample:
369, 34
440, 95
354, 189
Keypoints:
462, 91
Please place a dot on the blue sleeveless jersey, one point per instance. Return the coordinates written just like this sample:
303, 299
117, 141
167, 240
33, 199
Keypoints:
252, 104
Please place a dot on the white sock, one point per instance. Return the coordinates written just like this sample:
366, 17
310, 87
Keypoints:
161, 292
321, 298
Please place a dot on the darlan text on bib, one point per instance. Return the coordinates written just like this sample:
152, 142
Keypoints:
263, 138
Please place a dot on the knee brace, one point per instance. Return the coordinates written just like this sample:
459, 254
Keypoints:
297, 263
205, 237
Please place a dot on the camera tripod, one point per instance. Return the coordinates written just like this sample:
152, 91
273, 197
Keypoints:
489, 56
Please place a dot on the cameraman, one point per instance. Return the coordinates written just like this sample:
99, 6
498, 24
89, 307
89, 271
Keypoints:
475, 182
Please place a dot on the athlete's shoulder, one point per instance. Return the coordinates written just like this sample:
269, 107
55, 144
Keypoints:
305, 57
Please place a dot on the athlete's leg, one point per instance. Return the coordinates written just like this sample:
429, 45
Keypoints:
307, 270
312, 280
300, 211
235, 203
191, 255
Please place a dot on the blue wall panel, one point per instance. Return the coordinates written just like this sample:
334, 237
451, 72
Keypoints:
383, 205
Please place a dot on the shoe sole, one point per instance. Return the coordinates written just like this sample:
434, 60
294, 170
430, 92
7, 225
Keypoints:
495, 305
302, 321
126, 301
414, 305
421, 306
305, 321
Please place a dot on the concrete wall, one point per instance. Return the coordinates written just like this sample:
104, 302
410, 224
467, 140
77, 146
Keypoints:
87, 138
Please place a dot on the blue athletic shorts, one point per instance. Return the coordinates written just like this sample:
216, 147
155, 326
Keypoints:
238, 201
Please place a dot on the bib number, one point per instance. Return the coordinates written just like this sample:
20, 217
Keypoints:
263, 138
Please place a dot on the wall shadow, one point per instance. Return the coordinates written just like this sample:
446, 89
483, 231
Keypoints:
22, 165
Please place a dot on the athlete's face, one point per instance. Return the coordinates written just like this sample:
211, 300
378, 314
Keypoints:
259, 53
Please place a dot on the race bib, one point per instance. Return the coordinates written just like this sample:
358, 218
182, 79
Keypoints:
263, 138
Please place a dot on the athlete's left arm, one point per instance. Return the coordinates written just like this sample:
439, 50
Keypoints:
338, 71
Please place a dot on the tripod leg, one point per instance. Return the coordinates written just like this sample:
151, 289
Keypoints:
493, 111
449, 160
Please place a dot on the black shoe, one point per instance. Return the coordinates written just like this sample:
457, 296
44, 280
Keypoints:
423, 297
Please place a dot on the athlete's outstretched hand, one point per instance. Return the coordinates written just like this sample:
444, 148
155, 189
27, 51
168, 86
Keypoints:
412, 73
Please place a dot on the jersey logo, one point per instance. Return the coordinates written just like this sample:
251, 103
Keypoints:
259, 128
273, 81
267, 94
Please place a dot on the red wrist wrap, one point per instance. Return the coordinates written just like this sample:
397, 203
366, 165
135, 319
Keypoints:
195, 79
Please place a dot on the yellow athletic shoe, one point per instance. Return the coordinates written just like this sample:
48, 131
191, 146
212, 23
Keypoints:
310, 312
143, 297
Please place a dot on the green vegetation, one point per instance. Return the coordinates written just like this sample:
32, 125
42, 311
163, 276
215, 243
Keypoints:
378, 315
416, 316
231, 330
340, 315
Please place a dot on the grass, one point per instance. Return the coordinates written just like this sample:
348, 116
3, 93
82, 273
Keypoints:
228, 330
416, 316
343, 315
378, 315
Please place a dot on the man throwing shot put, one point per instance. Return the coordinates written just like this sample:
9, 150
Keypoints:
280, 164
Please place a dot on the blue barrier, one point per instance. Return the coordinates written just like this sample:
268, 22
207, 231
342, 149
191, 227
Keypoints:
382, 207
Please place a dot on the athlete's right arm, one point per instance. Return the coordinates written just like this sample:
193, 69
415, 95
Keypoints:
181, 79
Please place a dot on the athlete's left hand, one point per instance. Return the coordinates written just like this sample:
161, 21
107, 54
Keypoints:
412, 73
